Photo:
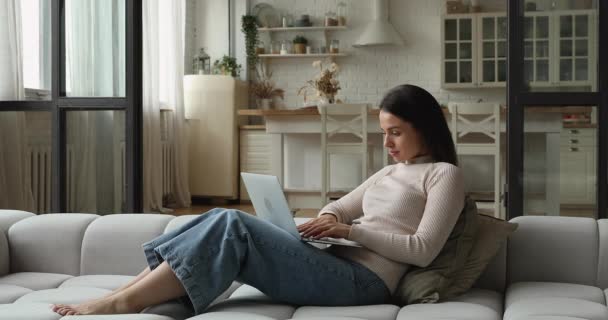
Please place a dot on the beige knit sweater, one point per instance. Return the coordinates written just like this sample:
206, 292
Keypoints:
402, 215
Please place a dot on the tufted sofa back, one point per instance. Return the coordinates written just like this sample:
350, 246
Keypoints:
556, 249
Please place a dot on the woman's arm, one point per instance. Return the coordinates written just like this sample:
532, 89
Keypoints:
350, 206
445, 200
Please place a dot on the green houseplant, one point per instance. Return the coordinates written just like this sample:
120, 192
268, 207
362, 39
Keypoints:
299, 44
227, 66
250, 29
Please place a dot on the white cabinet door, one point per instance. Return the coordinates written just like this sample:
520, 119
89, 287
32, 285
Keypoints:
258, 154
537, 49
459, 56
575, 47
492, 51
578, 166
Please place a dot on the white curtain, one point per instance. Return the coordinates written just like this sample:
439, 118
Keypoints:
15, 191
93, 69
168, 39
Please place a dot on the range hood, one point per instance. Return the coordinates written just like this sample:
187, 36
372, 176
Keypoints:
379, 31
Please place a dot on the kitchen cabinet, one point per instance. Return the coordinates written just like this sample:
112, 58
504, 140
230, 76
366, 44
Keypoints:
258, 154
474, 50
578, 166
559, 49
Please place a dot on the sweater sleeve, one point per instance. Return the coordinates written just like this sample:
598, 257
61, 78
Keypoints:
350, 206
445, 200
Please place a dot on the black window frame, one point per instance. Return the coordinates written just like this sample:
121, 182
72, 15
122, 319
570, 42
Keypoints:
59, 105
517, 99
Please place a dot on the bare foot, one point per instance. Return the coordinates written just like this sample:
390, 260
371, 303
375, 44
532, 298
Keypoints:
109, 305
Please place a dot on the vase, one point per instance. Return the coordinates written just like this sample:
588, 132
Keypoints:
264, 104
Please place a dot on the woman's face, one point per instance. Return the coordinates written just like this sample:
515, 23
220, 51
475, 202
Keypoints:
400, 138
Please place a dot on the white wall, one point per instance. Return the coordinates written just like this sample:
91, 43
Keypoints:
207, 27
368, 73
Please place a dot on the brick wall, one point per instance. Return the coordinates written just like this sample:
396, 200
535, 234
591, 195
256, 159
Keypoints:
369, 72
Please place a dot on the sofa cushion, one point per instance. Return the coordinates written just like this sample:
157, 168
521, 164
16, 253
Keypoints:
228, 315
109, 282
36, 247
602, 270
179, 221
64, 295
494, 277
491, 236
532, 290
35, 280
173, 309
565, 250
447, 310
10, 217
28, 311
112, 244
433, 282
120, 317
247, 299
483, 297
556, 307
373, 312
10, 293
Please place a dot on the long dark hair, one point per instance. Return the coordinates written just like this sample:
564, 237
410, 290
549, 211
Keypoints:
418, 107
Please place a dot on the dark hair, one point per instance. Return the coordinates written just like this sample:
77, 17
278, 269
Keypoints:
418, 107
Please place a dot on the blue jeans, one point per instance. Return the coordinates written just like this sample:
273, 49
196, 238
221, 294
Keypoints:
211, 251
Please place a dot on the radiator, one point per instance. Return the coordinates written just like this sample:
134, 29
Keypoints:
38, 163
168, 153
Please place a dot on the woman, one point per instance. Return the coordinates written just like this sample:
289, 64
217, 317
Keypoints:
402, 215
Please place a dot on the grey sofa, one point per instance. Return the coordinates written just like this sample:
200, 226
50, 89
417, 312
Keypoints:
552, 268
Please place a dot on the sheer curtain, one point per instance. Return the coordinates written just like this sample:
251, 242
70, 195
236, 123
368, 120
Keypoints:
93, 68
15, 191
163, 69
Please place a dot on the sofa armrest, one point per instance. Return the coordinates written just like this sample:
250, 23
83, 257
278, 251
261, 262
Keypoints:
10, 217
7, 219
4, 254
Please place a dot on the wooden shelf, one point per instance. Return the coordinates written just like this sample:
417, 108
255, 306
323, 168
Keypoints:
252, 127
303, 55
289, 112
317, 28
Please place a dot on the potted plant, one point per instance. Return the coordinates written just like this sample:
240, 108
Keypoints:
227, 66
299, 44
264, 88
250, 29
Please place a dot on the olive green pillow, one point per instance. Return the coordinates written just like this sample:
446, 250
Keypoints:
491, 235
428, 284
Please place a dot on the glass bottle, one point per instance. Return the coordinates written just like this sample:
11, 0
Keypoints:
202, 63
260, 48
275, 47
334, 47
330, 19
341, 13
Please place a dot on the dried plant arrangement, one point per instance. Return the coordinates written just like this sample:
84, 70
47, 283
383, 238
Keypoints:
325, 84
264, 87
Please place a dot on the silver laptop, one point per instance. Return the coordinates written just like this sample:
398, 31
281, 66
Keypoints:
270, 204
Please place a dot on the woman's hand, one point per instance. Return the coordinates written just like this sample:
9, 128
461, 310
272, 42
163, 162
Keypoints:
324, 226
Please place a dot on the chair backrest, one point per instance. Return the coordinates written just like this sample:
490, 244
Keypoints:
344, 118
475, 118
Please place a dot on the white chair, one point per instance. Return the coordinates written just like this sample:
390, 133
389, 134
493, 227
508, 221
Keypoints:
476, 131
350, 119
